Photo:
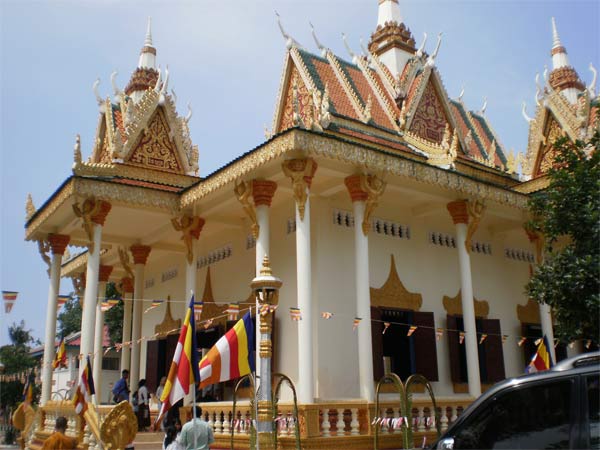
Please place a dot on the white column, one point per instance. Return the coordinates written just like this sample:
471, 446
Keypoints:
140, 254
50, 338
104, 275
458, 210
127, 313
304, 280
363, 305
89, 299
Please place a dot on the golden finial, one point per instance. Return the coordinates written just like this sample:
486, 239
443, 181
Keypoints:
265, 270
29, 208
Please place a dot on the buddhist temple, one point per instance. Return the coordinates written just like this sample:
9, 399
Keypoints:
392, 213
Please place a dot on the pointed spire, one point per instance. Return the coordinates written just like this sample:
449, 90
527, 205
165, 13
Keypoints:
563, 78
145, 75
559, 53
148, 40
389, 11
148, 54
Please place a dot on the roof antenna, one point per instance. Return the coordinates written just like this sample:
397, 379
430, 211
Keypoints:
289, 41
422, 47
354, 58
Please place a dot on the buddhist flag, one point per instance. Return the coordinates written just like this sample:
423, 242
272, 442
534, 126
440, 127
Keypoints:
85, 389
482, 338
231, 357
183, 374
61, 300
154, 304
28, 389
356, 323
411, 330
542, 360
326, 315
10, 297
521, 341
461, 337
438, 333
386, 325
198, 306
60, 359
295, 314
233, 311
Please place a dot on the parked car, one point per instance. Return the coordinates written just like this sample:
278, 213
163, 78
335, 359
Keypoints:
557, 408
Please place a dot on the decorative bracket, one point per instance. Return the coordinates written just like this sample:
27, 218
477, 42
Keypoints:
190, 227
44, 247
92, 211
243, 192
125, 261
536, 237
301, 171
475, 210
374, 187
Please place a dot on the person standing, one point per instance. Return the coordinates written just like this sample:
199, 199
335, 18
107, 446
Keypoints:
196, 434
159, 391
58, 440
143, 402
121, 389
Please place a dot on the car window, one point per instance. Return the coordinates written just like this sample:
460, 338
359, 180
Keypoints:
528, 417
593, 395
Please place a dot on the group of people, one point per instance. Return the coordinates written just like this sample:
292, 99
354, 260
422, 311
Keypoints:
140, 400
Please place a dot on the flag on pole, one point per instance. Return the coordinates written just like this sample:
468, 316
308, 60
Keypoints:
233, 311
60, 359
85, 389
10, 297
183, 374
154, 304
542, 360
231, 357
61, 300
28, 388
198, 306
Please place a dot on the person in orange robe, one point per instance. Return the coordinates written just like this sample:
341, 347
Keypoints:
58, 440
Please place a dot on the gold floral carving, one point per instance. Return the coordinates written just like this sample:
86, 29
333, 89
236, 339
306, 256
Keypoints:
301, 172
547, 153
88, 209
168, 324
190, 227
155, 147
475, 209
374, 187
429, 121
125, 262
29, 208
529, 313
393, 294
243, 192
119, 427
298, 103
453, 306
44, 248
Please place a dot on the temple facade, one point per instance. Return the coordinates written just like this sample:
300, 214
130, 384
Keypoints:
392, 213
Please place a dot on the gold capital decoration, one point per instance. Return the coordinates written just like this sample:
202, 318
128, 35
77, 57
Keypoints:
475, 209
374, 187
301, 171
44, 249
125, 262
536, 237
243, 192
190, 227
91, 211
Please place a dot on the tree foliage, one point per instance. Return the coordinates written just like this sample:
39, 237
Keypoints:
114, 316
567, 213
69, 319
16, 358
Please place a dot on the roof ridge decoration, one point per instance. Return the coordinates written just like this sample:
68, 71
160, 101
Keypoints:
362, 111
391, 83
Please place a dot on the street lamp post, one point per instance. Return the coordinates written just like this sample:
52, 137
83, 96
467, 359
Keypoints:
266, 289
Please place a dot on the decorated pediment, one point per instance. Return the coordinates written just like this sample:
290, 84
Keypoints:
430, 119
393, 294
297, 103
453, 306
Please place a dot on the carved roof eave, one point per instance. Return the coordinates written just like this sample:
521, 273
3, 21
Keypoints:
100, 134
283, 87
102, 189
86, 169
359, 155
302, 70
534, 185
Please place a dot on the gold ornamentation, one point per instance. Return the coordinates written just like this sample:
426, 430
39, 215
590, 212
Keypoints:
22, 420
190, 227
475, 209
243, 192
79, 284
44, 249
453, 306
391, 35
168, 324
565, 78
374, 187
301, 172
393, 294
211, 310
536, 237
125, 262
547, 152
529, 313
29, 208
77, 150
429, 119
88, 209
119, 427
298, 108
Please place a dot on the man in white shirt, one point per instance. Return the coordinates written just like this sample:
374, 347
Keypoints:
196, 434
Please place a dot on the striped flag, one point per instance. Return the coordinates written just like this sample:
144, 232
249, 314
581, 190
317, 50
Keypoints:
85, 389
61, 300
183, 374
10, 297
231, 357
154, 304
60, 359
542, 360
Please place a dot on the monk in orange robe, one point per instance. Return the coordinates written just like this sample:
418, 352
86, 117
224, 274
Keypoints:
58, 440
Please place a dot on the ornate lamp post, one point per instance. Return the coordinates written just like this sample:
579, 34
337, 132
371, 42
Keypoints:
266, 289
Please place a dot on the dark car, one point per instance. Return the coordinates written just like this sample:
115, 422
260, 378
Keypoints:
557, 408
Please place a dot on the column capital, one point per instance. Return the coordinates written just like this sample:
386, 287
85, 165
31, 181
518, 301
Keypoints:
263, 191
536, 237
58, 243
104, 208
140, 253
127, 285
459, 211
190, 227
104, 273
301, 171
243, 191
353, 184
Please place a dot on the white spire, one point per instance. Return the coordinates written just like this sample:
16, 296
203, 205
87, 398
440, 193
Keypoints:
555, 39
389, 11
148, 54
559, 54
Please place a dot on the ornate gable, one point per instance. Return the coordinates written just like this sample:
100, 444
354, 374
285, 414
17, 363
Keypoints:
546, 154
297, 103
430, 120
155, 147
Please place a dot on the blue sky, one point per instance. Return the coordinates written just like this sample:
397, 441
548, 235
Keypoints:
226, 58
